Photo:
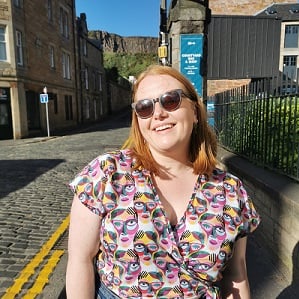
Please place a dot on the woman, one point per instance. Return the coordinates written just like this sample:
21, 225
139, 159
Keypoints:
161, 219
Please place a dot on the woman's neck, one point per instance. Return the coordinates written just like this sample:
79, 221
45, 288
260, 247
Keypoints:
170, 167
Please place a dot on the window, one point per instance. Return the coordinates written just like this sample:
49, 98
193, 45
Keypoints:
68, 101
95, 109
290, 67
17, 3
94, 82
52, 57
84, 47
19, 46
86, 78
100, 82
3, 56
66, 66
87, 108
50, 11
55, 105
291, 36
64, 22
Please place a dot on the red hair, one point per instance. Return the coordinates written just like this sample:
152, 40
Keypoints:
203, 143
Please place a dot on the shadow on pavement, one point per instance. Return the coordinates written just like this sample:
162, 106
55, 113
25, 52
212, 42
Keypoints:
15, 174
62, 295
292, 291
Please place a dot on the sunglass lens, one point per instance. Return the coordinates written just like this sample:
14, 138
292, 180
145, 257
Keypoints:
144, 108
170, 100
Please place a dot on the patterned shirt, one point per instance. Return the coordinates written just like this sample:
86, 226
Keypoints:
141, 255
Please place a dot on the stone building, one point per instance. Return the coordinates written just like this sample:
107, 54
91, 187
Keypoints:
43, 44
38, 46
245, 8
289, 42
241, 7
92, 97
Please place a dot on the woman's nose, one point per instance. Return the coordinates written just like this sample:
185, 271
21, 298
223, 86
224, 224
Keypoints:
159, 111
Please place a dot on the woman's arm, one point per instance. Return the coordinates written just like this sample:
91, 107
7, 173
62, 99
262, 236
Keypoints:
235, 283
83, 245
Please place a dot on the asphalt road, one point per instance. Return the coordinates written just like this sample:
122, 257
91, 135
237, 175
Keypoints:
35, 203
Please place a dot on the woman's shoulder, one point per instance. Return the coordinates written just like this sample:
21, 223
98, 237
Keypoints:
112, 161
221, 175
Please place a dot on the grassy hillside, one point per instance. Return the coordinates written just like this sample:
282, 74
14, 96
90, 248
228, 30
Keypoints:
126, 64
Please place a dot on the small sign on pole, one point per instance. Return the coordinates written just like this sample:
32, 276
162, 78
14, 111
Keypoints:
44, 99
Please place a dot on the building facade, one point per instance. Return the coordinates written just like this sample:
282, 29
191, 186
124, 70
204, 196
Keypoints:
241, 7
289, 43
92, 97
43, 44
38, 50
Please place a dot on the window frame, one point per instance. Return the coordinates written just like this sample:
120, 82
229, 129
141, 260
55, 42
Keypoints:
3, 42
19, 48
50, 11
64, 22
290, 32
52, 57
66, 65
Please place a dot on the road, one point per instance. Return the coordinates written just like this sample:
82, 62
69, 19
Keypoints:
35, 200
35, 203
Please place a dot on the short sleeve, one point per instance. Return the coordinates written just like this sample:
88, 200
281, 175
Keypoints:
89, 185
250, 219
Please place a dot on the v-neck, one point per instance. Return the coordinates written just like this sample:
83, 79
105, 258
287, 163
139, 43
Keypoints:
158, 201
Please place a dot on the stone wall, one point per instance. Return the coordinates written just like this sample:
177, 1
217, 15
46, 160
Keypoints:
276, 199
121, 96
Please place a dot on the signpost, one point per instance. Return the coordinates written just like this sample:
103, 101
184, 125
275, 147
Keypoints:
44, 99
191, 56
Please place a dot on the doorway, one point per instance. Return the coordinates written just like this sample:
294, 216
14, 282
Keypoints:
6, 130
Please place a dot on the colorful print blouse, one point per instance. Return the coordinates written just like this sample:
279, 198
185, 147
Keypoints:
141, 255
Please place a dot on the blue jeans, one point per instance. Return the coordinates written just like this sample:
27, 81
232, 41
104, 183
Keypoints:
103, 292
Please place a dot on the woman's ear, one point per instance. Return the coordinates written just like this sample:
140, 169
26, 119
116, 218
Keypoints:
195, 119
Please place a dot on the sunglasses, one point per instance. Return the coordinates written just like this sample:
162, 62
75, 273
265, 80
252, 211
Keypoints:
169, 101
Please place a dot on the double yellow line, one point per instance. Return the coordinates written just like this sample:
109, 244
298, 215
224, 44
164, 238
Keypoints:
29, 270
43, 277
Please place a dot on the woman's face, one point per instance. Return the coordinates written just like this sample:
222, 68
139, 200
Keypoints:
166, 133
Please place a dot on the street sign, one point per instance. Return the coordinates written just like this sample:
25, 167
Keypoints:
162, 51
44, 98
191, 56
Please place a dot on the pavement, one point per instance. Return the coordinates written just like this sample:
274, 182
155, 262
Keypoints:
35, 202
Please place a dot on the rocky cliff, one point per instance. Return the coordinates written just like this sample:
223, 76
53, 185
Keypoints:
118, 44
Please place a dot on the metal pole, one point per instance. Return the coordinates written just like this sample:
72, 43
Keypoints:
47, 115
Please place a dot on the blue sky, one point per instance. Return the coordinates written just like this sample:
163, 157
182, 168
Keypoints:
123, 17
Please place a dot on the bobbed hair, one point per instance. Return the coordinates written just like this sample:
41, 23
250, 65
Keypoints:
203, 143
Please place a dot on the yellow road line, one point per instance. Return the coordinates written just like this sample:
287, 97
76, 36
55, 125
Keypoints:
126, 143
43, 277
28, 271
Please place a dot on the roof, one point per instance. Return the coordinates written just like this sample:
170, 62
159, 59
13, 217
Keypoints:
286, 12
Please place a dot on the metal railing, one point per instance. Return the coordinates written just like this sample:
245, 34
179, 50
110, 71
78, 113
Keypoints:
256, 122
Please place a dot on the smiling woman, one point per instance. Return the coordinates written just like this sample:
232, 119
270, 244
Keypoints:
159, 216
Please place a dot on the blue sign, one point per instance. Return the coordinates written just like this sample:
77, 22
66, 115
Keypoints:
191, 56
44, 98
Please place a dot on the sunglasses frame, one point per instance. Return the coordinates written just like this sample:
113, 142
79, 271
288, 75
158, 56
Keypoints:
180, 92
